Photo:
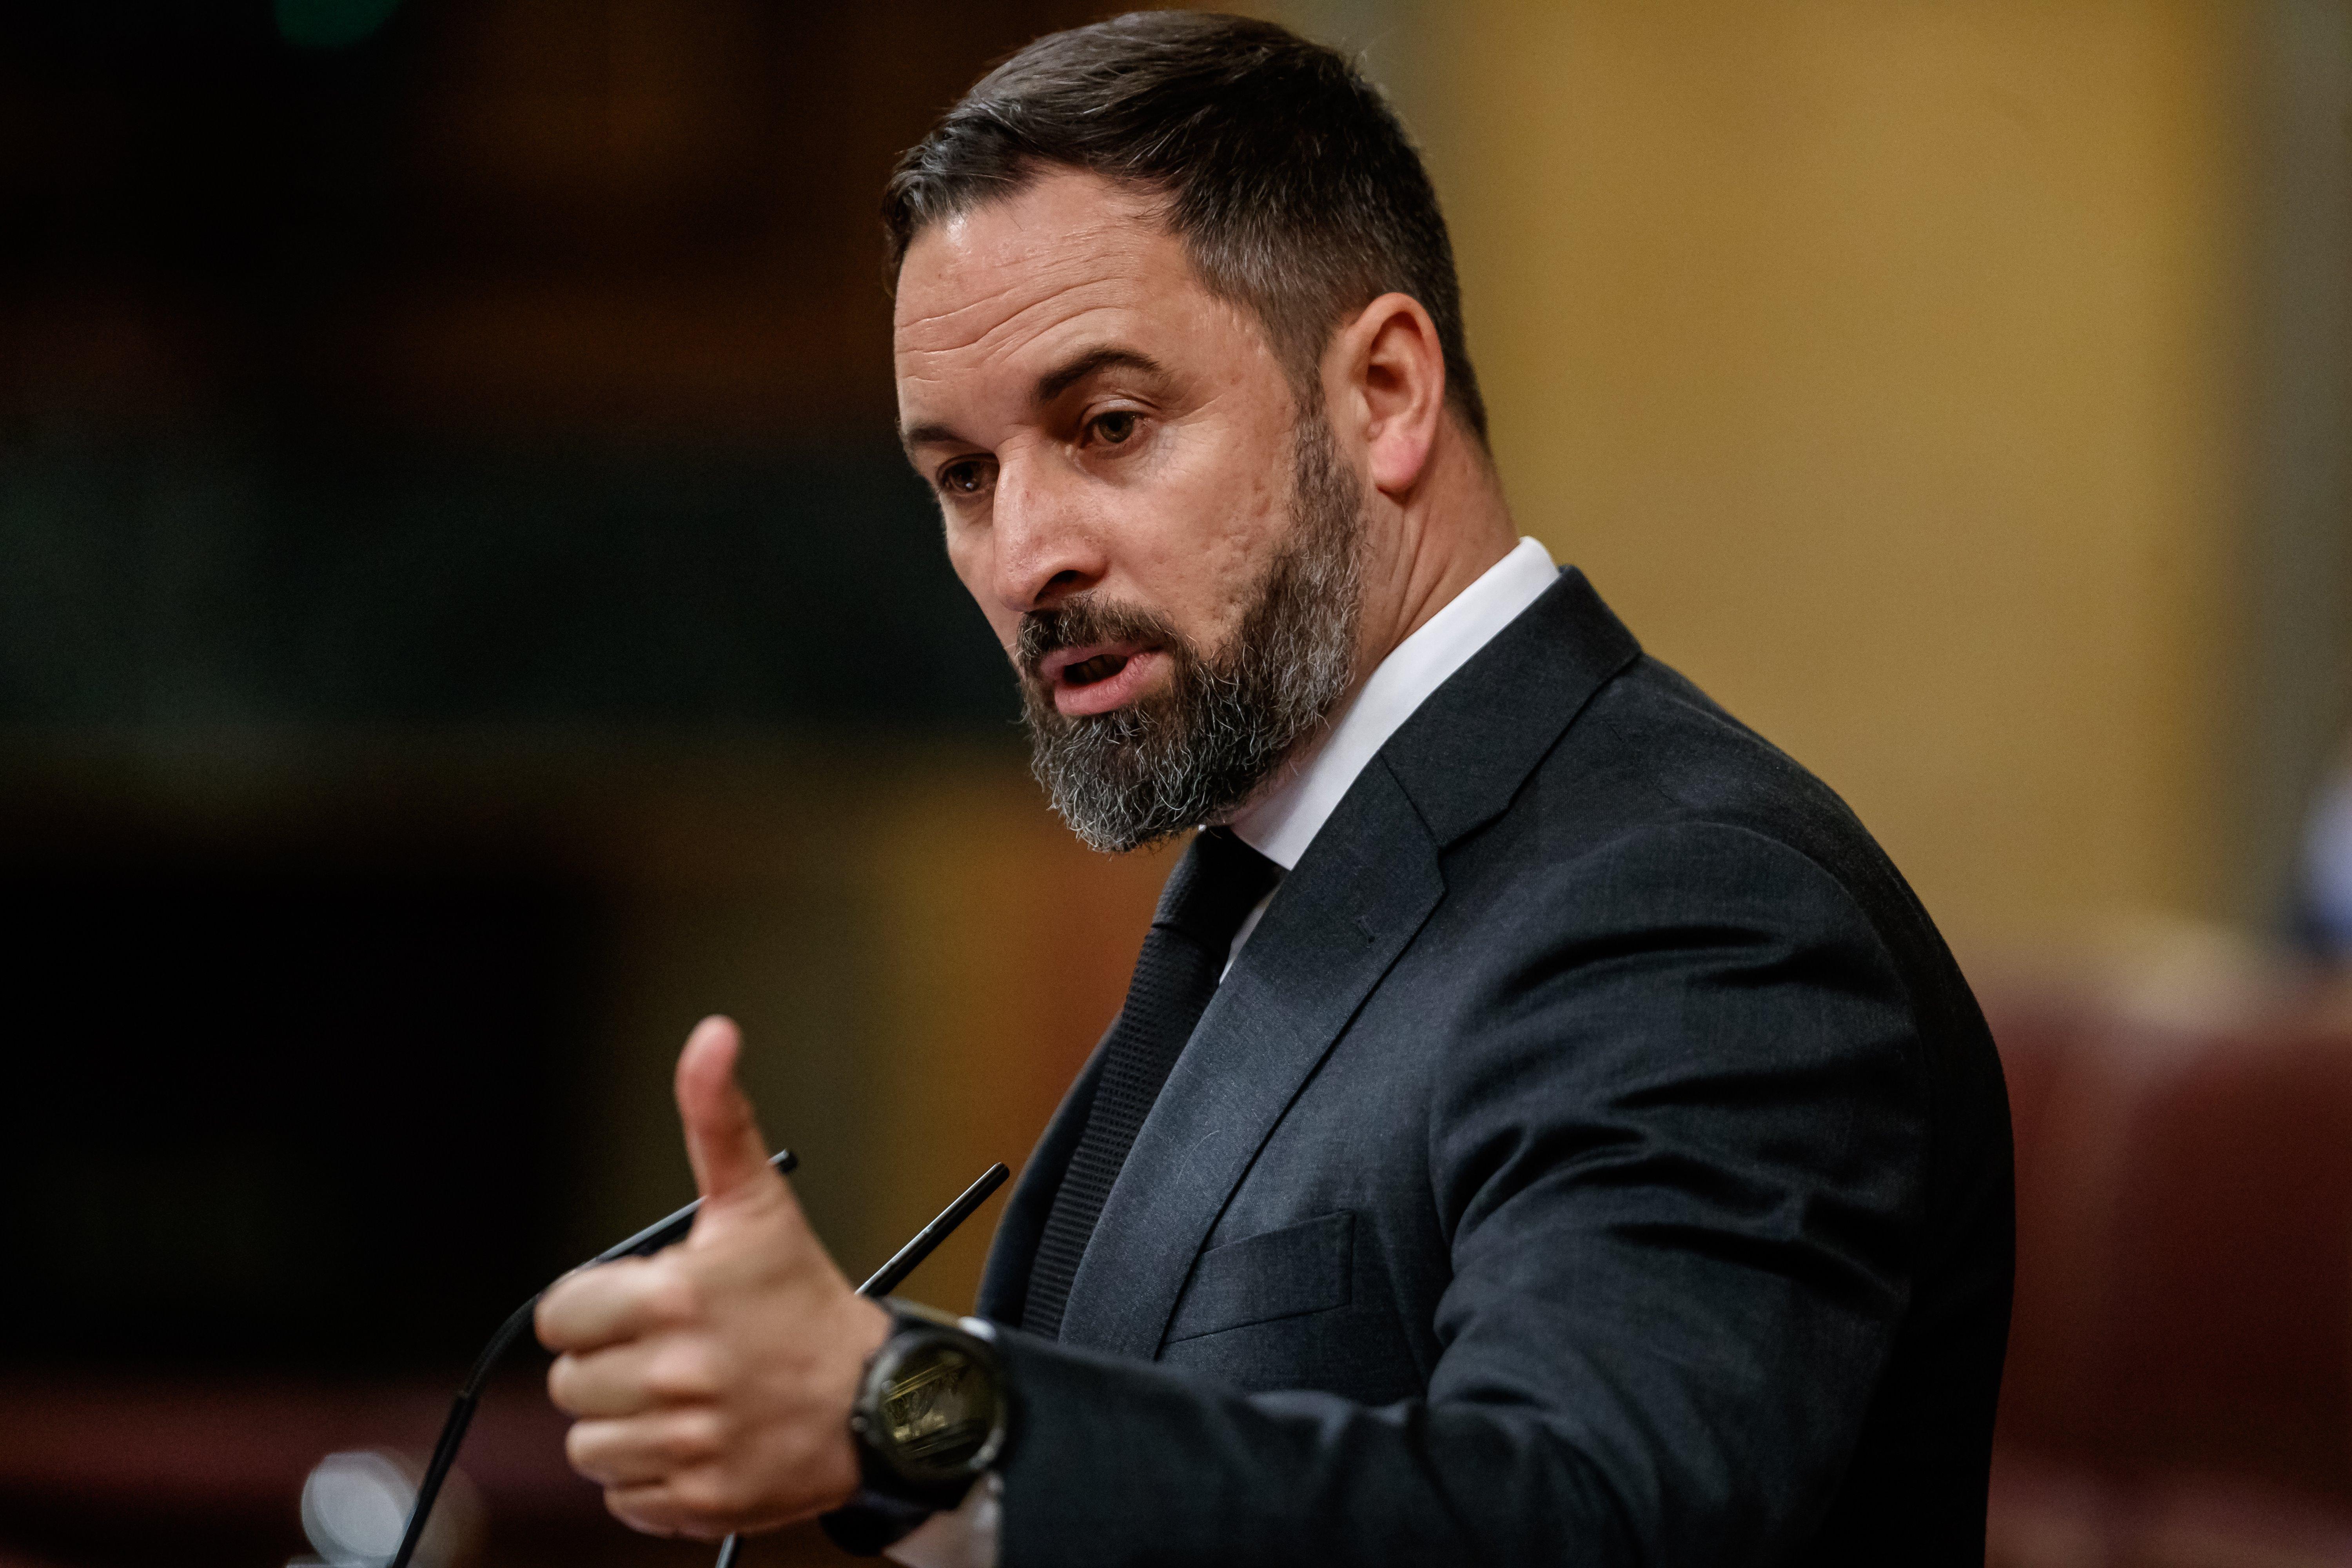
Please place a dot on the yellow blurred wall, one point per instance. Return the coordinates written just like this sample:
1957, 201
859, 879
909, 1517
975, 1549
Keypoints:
1006, 945
1878, 362
920, 954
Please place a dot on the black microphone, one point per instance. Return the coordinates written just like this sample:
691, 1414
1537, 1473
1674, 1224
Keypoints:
652, 1239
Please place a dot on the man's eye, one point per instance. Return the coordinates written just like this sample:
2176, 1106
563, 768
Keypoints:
965, 478
1115, 427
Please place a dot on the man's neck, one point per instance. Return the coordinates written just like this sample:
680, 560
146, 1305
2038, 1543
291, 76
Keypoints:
1441, 537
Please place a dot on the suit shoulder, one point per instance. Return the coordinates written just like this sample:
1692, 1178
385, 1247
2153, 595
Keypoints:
1652, 755
1651, 751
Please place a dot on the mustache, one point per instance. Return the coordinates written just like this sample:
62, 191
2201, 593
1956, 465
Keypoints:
1082, 621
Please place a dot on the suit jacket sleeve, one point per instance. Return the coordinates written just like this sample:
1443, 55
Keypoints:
1679, 1150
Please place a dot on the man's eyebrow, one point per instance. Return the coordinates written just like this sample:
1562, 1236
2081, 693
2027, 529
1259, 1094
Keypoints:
1050, 386
1054, 383
928, 434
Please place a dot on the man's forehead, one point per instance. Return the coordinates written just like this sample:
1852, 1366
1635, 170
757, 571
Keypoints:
1065, 246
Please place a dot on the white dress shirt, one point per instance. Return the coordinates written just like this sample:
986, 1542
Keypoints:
1279, 825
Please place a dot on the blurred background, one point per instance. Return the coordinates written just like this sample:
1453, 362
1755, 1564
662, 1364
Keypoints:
463, 618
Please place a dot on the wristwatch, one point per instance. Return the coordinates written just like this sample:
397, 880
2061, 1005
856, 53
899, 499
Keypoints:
931, 1413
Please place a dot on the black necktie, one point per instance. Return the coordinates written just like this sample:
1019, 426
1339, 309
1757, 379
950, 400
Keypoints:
1216, 885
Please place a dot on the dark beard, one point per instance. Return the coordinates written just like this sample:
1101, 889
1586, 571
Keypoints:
1196, 752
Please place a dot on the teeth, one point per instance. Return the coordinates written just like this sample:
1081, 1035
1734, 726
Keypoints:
1102, 667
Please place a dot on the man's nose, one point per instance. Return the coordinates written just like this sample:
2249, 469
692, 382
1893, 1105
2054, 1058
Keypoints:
1048, 548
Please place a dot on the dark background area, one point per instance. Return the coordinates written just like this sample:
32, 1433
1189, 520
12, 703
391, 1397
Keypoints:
333, 1093
436, 441
327, 408
507, 362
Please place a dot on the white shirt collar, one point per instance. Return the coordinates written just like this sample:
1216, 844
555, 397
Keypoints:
1280, 824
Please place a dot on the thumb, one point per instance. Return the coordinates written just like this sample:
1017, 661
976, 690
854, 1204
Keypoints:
722, 1136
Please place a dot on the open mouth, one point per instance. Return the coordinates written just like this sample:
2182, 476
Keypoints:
1102, 667
1098, 677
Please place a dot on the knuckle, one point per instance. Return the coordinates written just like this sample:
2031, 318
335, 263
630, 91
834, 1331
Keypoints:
583, 1447
563, 1384
630, 1506
551, 1321
682, 1370
698, 1438
706, 1490
675, 1297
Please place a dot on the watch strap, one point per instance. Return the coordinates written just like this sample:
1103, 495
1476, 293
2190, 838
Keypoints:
870, 1523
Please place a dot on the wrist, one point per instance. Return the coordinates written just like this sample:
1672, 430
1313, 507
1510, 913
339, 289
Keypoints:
869, 1327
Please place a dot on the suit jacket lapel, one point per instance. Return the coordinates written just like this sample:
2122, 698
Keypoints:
1463, 755
1336, 924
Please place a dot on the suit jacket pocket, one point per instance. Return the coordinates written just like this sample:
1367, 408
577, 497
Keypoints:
1304, 1267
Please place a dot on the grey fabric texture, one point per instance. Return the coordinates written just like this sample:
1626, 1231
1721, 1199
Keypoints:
1593, 1156
1304, 1267
1215, 885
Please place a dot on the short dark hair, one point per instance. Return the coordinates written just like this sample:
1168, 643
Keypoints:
1286, 174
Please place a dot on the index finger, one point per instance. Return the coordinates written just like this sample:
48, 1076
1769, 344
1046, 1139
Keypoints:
607, 1305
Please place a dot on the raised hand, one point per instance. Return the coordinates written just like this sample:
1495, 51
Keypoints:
712, 1383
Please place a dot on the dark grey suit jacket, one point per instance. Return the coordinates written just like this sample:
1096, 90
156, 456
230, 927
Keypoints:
1594, 1156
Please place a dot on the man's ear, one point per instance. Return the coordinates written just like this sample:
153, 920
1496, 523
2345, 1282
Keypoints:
1390, 371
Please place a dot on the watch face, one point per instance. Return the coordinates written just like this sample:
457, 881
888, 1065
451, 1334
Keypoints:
938, 1410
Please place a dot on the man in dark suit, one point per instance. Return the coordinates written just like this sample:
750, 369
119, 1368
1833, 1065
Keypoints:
1542, 1125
